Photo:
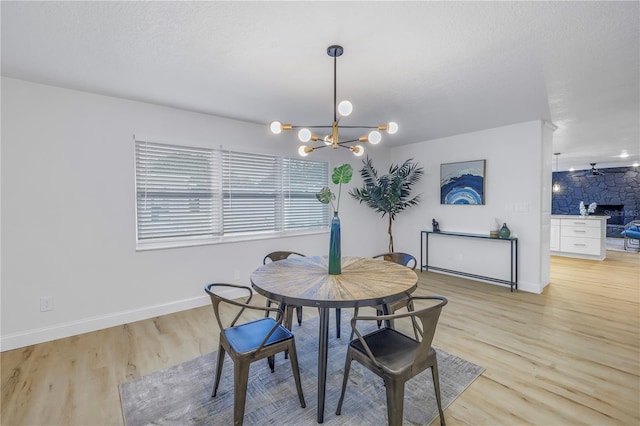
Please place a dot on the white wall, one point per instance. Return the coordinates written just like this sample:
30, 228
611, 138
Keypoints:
514, 170
68, 226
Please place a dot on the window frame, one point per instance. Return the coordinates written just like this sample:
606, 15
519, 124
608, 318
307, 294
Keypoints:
282, 195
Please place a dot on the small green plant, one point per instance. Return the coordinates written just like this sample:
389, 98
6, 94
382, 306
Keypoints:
341, 174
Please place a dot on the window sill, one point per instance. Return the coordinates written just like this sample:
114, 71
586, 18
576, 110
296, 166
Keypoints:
161, 245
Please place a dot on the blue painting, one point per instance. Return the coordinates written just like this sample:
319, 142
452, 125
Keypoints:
462, 183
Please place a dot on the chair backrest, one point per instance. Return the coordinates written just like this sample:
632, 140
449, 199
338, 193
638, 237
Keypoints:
424, 322
398, 257
426, 329
215, 290
279, 255
428, 317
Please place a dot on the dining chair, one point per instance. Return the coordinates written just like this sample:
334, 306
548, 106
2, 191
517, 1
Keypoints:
630, 234
404, 259
281, 255
396, 357
250, 341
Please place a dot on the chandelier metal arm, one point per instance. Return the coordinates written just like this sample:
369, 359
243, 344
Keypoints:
350, 141
310, 127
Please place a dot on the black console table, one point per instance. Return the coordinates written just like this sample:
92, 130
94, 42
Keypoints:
424, 255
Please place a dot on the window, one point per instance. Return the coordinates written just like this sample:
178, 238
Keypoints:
187, 195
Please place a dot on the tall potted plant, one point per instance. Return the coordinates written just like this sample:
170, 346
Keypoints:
389, 194
341, 174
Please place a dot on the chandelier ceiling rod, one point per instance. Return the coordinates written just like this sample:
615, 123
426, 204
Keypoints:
340, 110
335, 51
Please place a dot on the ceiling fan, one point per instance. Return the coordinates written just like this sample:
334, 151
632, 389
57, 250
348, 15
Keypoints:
590, 173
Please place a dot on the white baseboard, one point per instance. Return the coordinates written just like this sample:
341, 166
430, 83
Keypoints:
59, 331
522, 286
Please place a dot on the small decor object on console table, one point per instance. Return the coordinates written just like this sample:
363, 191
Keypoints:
494, 229
341, 174
504, 232
436, 225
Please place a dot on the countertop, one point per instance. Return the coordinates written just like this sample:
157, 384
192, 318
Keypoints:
577, 216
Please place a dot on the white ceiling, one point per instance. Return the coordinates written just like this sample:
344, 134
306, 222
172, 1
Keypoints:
437, 68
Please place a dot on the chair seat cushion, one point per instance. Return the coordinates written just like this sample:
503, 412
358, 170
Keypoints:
633, 232
247, 337
392, 349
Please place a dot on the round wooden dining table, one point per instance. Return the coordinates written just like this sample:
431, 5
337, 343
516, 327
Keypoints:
305, 281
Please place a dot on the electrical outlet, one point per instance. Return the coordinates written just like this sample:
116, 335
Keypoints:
46, 303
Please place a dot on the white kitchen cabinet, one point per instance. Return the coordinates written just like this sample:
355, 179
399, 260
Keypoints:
577, 236
555, 235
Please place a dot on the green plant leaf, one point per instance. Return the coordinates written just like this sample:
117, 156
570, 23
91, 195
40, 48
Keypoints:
389, 194
325, 196
342, 174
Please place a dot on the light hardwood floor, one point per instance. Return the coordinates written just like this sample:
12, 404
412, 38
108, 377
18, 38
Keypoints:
570, 356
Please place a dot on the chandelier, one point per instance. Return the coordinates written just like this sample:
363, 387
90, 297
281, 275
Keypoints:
343, 109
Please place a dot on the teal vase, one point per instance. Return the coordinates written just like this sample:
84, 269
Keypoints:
335, 268
504, 231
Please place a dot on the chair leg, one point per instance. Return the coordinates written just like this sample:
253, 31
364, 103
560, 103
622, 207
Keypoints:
347, 368
266, 314
216, 381
293, 356
395, 401
436, 387
241, 378
355, 314
338, 323
271, 360
288, 323
299, 314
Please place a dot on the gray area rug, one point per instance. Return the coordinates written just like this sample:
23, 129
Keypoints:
181, 395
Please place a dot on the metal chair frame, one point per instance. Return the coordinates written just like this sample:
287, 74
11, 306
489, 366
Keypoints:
404, 259
274, 257
628, 239
267, 337
396, 357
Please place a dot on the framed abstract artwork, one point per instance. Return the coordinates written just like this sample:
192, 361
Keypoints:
463, 182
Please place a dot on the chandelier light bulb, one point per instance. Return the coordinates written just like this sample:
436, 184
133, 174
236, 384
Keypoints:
357, 150
345, 108
327, 140
374, 137
276, 127
304, 135
392, 128
303, 151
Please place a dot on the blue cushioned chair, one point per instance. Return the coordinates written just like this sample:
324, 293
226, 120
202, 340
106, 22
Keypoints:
246, 342
631, 233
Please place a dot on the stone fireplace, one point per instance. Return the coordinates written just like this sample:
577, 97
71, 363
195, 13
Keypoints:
615, 224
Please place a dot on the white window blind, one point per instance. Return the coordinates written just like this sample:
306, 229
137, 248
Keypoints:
204, 195
252, 192
302, 179
175, 189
